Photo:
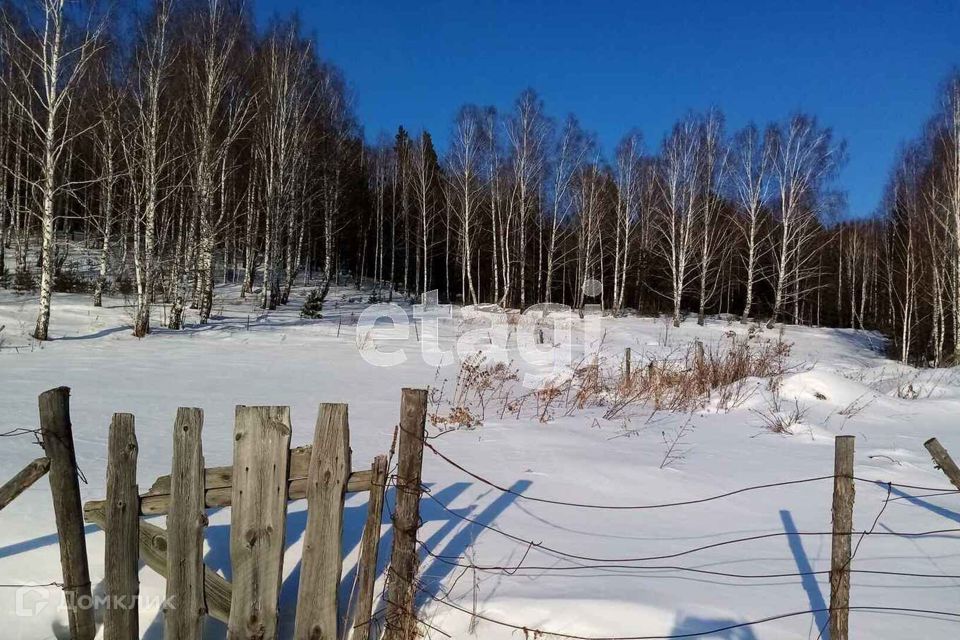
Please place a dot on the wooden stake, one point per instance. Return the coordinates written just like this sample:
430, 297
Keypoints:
258, 520
322, 561
186, 523
406, 517
369, 547
23, 480
944, 462
121, 619
626, 365
57, 434
843, 496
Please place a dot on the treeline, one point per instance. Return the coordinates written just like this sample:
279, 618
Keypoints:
201, 149
182, 141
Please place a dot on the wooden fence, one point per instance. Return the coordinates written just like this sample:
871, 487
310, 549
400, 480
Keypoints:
265, 475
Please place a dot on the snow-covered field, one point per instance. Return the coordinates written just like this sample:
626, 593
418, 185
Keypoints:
632, 578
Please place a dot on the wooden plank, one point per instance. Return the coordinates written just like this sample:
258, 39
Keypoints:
369, 547
258, 519
121, 620
943, 460
406, 517
843, 495
57, 433
322, 561
153, 551
222, 477
219, 491
23, 480
185, 528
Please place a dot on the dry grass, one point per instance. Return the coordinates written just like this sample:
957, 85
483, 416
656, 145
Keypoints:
681, 381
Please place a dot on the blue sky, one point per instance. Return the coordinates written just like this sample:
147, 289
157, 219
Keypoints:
869, 70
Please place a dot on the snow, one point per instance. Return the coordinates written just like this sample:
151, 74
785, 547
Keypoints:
838, 381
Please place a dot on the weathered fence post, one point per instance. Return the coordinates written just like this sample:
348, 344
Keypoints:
23, 480
261, 452
944, 461
183, 620
626, 364
843, 495
406, 517
321, 562
57, 434
369, 546
122, 620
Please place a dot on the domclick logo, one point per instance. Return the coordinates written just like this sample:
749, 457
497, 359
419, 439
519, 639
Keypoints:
31, 600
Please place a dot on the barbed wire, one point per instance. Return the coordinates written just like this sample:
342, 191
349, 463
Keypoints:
38, 440
584, 505
677, 554
541, 633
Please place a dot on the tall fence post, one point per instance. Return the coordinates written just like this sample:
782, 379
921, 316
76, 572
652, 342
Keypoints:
406, 517
843, 495
943, 460
626, 364
121, 620
57, 434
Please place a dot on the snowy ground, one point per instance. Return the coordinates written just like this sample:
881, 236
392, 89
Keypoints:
838, 382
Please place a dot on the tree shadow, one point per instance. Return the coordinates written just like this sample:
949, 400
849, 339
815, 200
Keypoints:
97, 334
808, 580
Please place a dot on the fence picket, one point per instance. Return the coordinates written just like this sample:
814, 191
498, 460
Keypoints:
258, 519
321, 562
369, 547
121, 619
185, 527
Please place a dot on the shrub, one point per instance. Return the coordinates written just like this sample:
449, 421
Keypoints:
313, 305
68, 280
23, 280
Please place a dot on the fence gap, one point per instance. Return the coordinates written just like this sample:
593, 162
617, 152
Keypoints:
843, 496
185, 530
321, 563
406, 517
57, 433
121, 562
258, 519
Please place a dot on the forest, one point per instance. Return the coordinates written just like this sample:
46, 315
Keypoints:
180, 145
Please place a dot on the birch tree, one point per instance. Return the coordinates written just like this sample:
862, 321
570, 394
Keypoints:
750, 176
49, 65
676, 220
804, 156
